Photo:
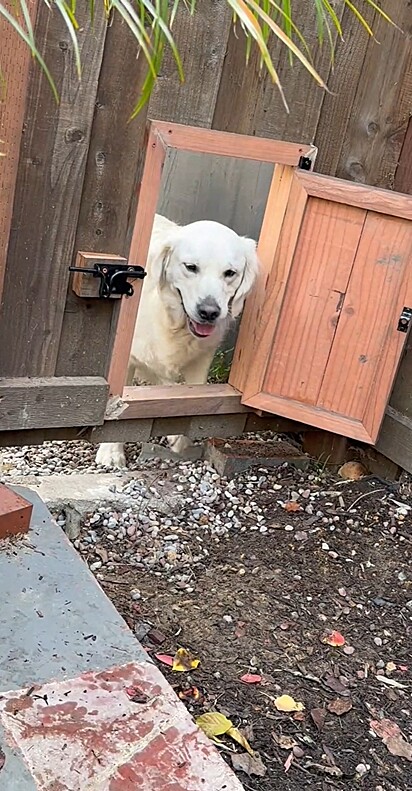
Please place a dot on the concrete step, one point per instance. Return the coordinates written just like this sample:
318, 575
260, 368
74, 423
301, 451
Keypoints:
82, 706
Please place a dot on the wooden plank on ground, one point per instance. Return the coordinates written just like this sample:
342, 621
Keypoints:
362, 128
109, 197
52, 402
48, 191
181, 400
201, 40
14, 76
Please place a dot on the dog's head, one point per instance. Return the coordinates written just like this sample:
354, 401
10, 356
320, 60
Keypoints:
207, 271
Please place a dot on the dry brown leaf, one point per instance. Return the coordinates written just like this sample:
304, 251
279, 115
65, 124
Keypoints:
284, 742
318, 717
332, 771
392, 737
249, 764
101, 552
398, 746
336, 685
288, 704
339, 706
352, 471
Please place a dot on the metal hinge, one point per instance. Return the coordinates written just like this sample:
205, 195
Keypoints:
114, 277
405, 320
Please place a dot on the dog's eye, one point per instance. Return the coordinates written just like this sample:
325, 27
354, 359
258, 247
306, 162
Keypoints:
229, 273
192, 268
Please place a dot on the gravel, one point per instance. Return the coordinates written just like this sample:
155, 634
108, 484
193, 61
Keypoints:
56, 458
177, 511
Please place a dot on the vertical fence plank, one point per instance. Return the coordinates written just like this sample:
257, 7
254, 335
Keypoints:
14, 65
108, 203
47, 199
395, 439
201, 40
363, 125
249, 102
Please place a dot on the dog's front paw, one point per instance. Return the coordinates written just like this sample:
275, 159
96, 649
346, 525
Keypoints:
111, 454
178, 443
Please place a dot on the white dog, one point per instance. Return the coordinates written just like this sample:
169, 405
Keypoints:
198, 277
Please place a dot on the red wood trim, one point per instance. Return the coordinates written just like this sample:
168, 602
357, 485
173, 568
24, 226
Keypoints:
227, 144
294, 410
360, 195
139, 248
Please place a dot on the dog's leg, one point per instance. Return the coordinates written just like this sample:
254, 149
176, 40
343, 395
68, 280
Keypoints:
111, 454
195, 374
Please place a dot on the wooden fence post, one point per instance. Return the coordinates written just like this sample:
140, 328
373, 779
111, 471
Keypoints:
47, 197
15, 60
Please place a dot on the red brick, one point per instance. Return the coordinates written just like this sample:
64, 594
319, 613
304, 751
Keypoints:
91, 734
232, 457
15, 513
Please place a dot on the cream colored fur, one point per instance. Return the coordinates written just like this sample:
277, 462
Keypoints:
165, 349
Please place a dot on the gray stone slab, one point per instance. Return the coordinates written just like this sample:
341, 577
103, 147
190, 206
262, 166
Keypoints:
86, 490
55, 620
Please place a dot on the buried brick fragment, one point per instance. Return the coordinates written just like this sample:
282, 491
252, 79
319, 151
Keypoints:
15, 513
231, 458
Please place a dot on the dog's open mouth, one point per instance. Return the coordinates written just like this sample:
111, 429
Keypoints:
200, 330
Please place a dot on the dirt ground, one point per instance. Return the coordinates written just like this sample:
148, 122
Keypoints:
263, 604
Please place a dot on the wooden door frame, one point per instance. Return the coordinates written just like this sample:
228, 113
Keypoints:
183, 400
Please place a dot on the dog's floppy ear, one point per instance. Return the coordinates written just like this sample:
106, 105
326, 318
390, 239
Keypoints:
249, 276
159, 260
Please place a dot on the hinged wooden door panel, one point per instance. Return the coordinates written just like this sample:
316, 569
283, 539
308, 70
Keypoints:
324, 318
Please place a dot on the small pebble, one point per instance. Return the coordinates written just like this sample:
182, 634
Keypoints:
348, 650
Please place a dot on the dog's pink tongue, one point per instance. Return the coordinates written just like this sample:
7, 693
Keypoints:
203, 329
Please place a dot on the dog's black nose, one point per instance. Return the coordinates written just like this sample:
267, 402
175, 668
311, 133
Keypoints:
208, 311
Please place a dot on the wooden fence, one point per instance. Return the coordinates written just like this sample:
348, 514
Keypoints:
75, 169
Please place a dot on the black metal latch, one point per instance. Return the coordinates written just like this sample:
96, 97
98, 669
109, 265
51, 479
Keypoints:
405, 320
113, 277
305, 163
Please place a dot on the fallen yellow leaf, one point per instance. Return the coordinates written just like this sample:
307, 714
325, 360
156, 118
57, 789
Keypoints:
287, 704
238, 737
184, 661
214, 724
